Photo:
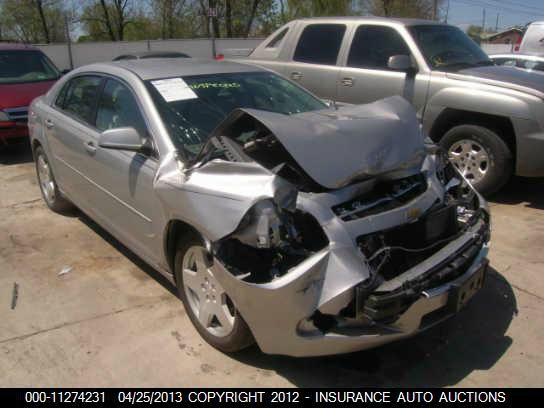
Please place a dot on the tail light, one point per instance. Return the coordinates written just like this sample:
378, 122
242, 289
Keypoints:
517, 44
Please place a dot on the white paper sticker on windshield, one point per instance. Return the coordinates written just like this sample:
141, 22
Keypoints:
174, 89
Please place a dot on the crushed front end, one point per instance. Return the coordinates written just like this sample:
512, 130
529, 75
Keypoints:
318, 271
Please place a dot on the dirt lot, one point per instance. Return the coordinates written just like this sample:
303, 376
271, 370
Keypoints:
112, 321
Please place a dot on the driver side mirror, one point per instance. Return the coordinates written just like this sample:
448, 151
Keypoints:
401, 63
123, 138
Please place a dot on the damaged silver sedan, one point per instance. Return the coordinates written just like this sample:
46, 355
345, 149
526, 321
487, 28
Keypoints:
309, 229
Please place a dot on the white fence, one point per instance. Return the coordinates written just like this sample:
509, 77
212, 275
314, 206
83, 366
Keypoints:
86, 53
498, 48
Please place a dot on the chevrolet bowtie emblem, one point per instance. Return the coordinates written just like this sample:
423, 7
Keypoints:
413, 213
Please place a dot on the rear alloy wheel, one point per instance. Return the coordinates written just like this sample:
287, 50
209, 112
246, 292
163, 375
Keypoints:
48, 186
481, 156
209, 307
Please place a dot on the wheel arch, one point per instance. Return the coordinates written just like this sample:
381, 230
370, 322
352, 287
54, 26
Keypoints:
450, 118
34, 145
175, 229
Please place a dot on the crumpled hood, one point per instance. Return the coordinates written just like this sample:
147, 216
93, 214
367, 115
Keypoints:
513, 77
335, 147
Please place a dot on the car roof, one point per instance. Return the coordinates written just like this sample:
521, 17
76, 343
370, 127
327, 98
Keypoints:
5, 46
173, 67
403, 21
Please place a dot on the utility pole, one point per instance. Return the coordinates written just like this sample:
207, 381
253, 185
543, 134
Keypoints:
435, 9
447, 11
212, 11
497, 23
483, 20
68, 40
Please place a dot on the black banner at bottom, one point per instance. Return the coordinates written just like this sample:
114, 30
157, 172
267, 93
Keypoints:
148, 396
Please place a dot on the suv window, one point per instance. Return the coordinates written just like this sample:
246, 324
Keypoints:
277, 39
373, 45
118, 108
320, 44
81, 96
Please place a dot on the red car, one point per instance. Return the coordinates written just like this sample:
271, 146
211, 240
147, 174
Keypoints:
25, 73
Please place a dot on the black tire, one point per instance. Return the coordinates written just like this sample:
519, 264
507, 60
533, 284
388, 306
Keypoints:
240, 336
56, 202
500, 166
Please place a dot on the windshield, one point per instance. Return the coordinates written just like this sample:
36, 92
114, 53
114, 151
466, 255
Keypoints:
26, 66
447, 47
192, 114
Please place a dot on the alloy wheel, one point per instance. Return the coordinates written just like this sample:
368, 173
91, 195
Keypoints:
47, 184
471, 158
207, 299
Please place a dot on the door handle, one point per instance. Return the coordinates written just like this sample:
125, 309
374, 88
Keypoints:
90, 147
348, 81
296, 75
49, 124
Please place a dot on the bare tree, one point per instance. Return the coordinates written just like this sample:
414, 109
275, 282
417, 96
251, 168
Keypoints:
228, 17
122, 19
39, 5
427, 9
251, 17
106, 19
36, 21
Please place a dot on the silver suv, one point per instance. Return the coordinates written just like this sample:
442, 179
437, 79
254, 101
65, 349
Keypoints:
489, 118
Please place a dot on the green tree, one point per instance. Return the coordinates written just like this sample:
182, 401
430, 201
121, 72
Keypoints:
108, 19
427, 9
475, 32
33, 21
291, 9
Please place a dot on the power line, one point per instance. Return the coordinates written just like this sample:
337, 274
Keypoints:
482, 3
524, 6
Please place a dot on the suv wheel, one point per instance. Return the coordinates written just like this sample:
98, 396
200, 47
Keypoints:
48, 186
480, 155
207, 304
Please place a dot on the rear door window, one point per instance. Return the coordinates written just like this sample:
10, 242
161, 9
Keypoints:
320, 44
81, 97
373, 45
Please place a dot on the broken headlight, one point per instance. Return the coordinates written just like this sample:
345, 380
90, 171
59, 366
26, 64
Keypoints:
264, 226
269, 241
